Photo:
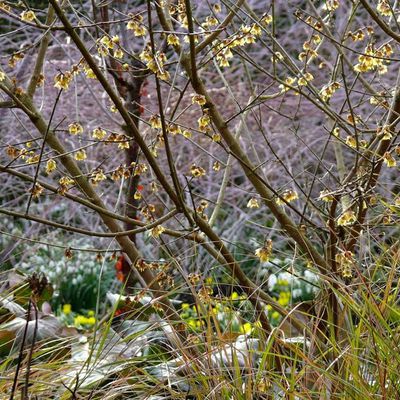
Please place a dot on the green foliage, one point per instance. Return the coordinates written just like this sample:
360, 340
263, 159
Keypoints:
79, 281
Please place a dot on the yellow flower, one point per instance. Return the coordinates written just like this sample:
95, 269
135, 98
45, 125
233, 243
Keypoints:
80, 155
383, 8
345, 262
325, 195
216, 166
216, 137
336, 132
80, 320
99, 133
123, 142
267, 19
140, 31
98, 176
328, 91
89, 72
28, 16
332, 5
102, 50
196, 171
75, 128
389, 160
66, 180
199, 99
275, 315
385, 132
51, 165
246, 328
303, 80
67, 309
264, 253
62, 80
253, 203
204, 122
157, 231
106, 41
288, 195
234, 296
347, 218
174, 129
118, 53
155, 122
2, 76
173, 39
351, 141
284, 298
37, 190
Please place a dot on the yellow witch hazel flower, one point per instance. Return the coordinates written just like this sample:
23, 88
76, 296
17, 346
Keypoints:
118, 53
264, 253
196, 171
383, 8
157, 231
97, 176
347, 218
345, 262
75, 128
2, 76
123, 142
385, 132
135, 25
326, 196
332, 5
28, 16
288, 195
289, 81
80, 155
62, 80
155, 122
66, 180
107, 41
303, 80
389, 160
37, 190
328, 90
51, 165
204, 121
351, 141
253, 203
374, 58
99, 133
174, 129
267, 19
172, 39
199, 99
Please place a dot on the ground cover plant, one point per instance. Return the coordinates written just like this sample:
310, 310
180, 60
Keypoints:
199, 199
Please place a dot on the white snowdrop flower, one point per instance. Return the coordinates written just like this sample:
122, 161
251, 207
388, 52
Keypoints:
310, 276
272, 279
296, 293
286, 276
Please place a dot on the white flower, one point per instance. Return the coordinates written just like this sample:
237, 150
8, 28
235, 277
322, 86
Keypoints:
272, 279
